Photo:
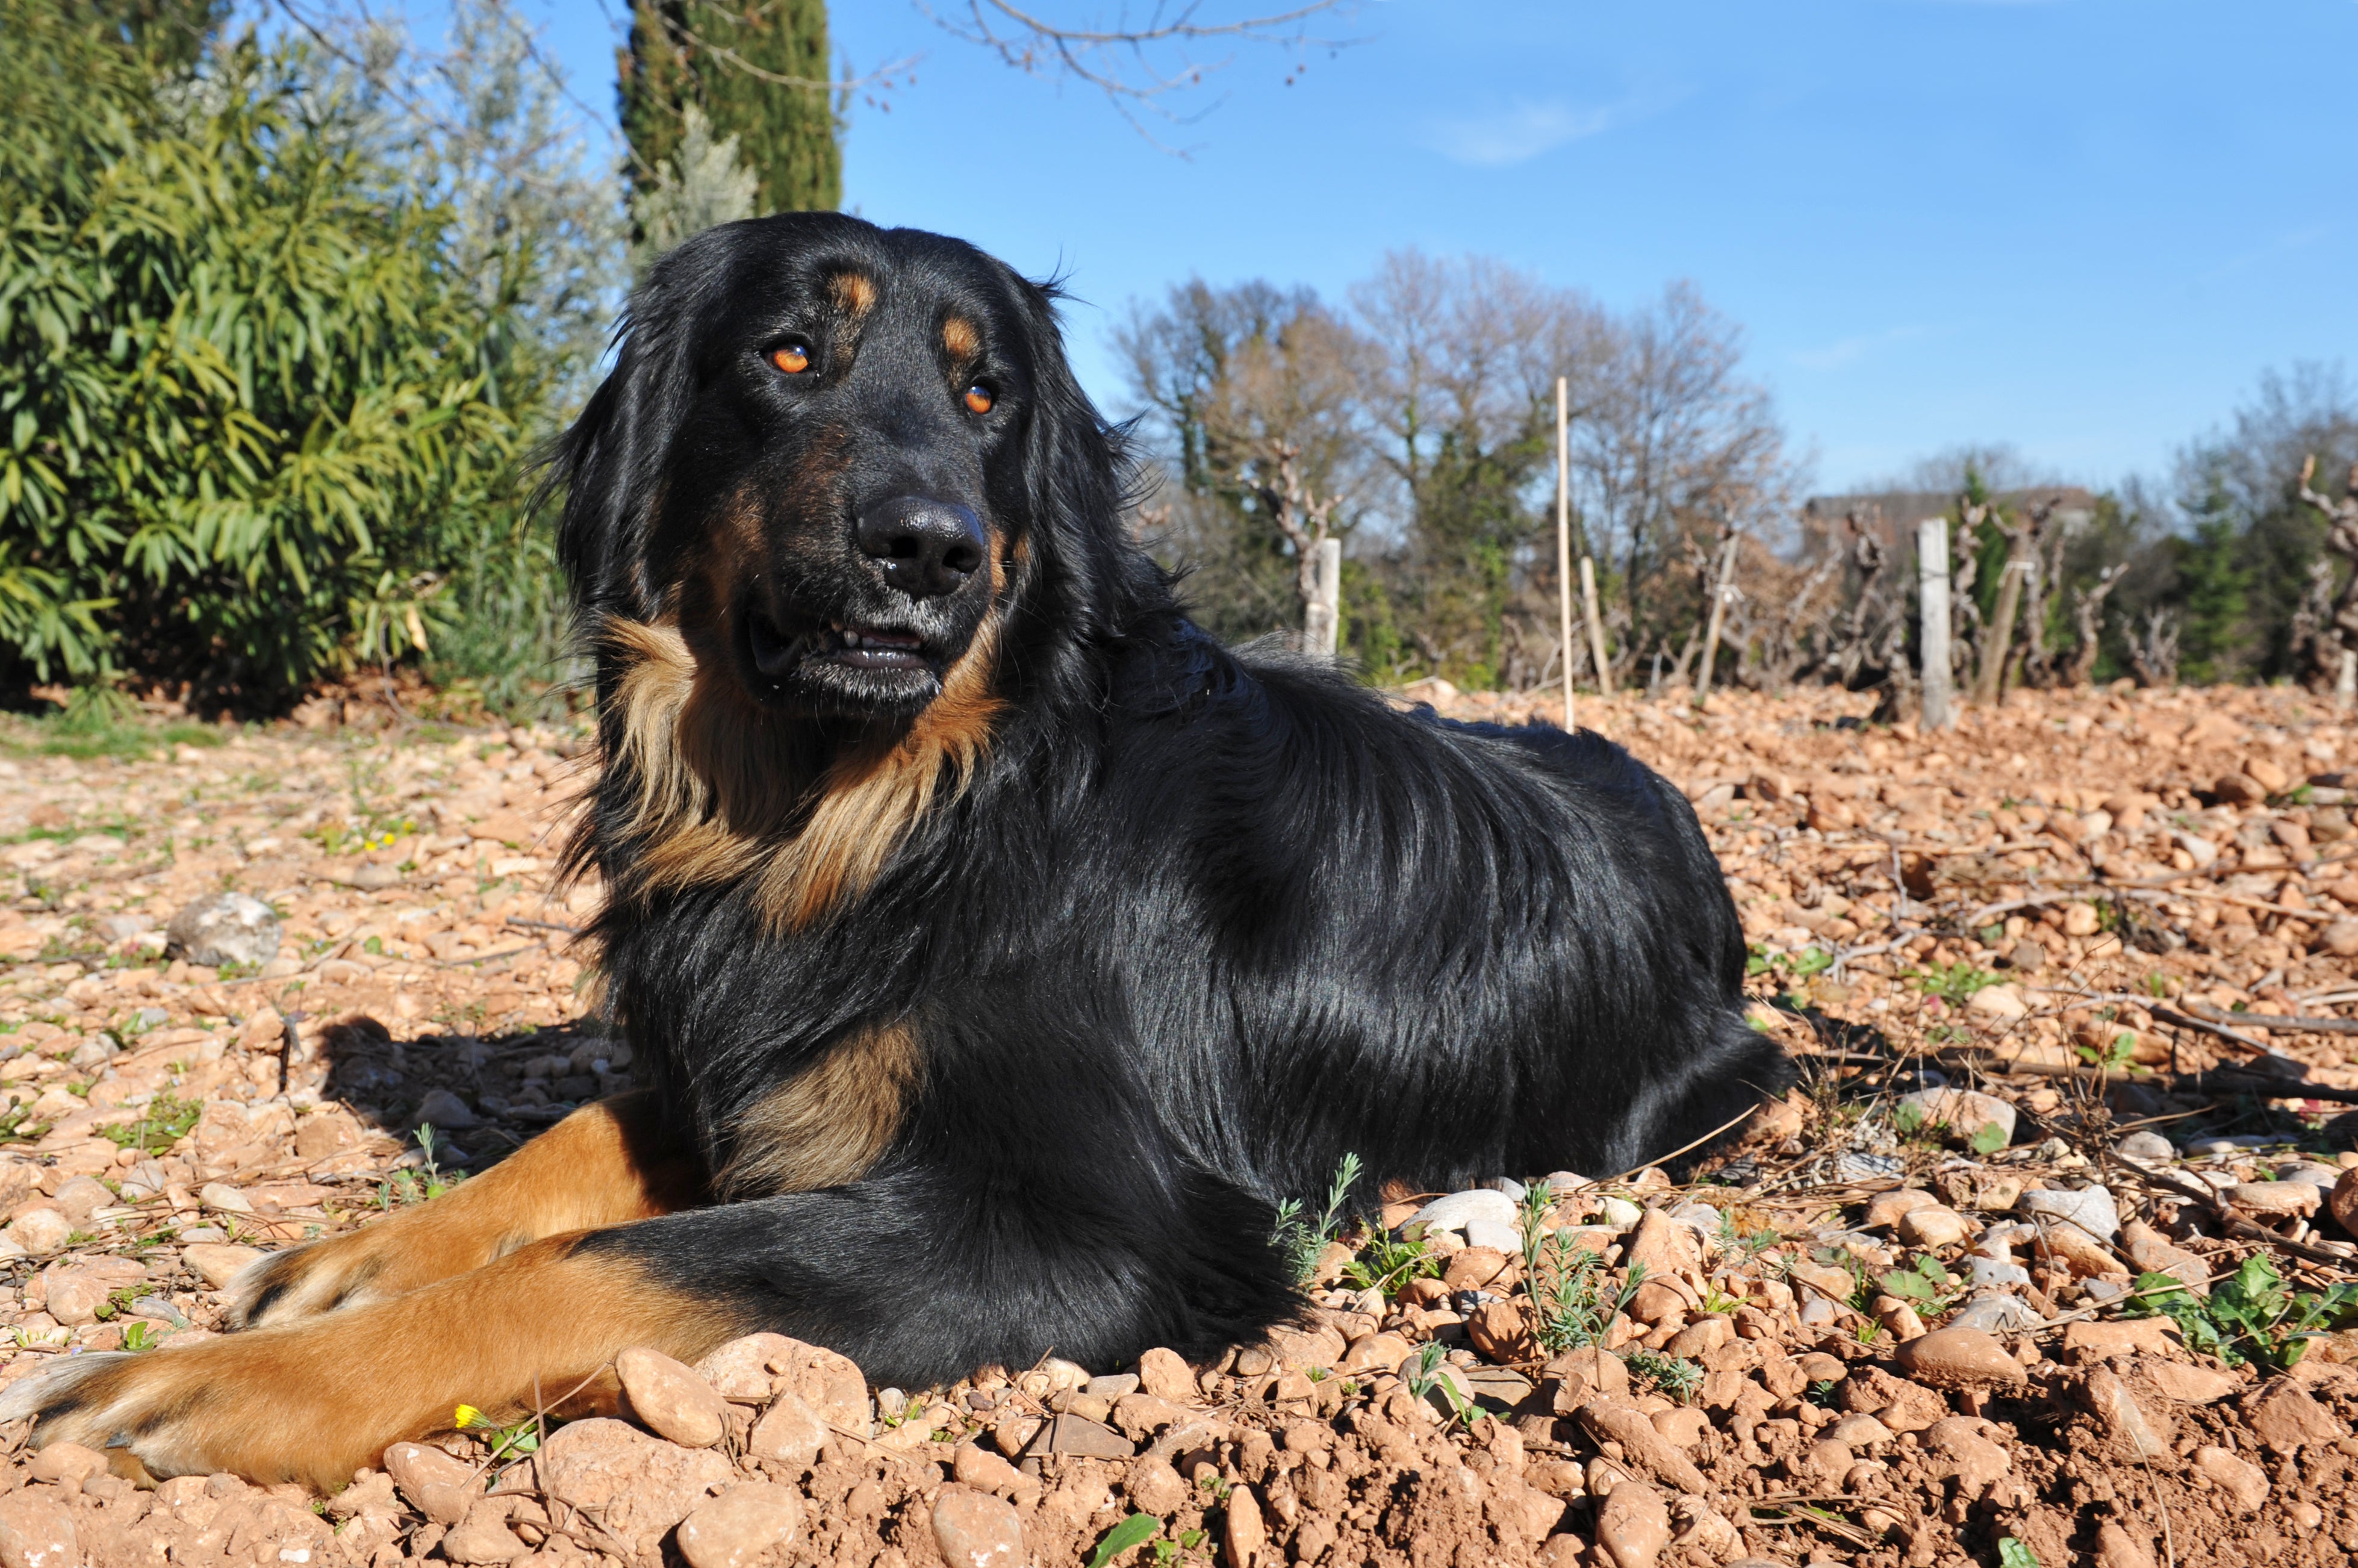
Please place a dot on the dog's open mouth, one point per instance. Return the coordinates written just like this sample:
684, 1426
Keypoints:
845, 646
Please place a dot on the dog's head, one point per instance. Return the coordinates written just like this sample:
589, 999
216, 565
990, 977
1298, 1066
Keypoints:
833, 455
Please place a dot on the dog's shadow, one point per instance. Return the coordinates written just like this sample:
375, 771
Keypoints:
484, 1095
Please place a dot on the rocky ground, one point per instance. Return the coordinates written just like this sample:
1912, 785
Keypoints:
2042, 1263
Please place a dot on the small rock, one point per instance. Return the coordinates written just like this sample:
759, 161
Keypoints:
1858, 1431
2092, 1210
483, 1537
1112, 1386
2085, 1342
983, 1470
2189, 1385
1082, 1438
2116, 1548
1489, 1233
1474, 1268
670, 1400
1633, 1526
2026, 956
41, 1231
1958, 1358
438, 1486
1665, 1247
1245, 1532
216, 1263
636, 1486
1963, 1111
2114, 1405
1162, 1372
2085, 1256
1451, 1213
445, 1112
37, 1532
1884, 1209
1982, 1271
2246, 1483
1859, 1166
975, 1529
223, 1198
2148, 1148
223, 928
80, 1197
1645, 1448
789, 1431
2285, 1417
2340, 938
743, 1524
1932, 1226
1968, 1455
1619, 1213
2238, 789
1155, 1488
2002, 1003
1997, 1313
2343, 1203
2275, 1199
67, 1462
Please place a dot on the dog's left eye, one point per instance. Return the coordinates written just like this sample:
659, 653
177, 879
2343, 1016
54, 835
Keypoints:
978, 398
793, 356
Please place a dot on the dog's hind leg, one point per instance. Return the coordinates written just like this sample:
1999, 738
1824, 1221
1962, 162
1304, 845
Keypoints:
606, 1163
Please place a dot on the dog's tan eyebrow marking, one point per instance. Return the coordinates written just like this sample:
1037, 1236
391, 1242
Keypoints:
959, 337
854, 293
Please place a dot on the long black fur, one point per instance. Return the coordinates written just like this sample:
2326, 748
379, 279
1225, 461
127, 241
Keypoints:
1204, 922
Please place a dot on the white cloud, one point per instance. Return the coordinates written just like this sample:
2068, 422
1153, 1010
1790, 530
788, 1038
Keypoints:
1523, 129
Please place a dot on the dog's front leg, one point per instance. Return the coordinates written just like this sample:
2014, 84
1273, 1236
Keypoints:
605, 1165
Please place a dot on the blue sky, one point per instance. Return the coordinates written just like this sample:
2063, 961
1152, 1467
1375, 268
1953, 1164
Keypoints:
2083, 227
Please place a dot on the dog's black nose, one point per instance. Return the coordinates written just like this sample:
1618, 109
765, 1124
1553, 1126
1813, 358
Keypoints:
927, 547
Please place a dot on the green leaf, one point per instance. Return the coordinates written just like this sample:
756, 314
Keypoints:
1987, 1139
1132, 1531
2012, 1553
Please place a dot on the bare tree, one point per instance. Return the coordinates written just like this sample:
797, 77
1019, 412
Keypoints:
2022, 541
2335, 636
2088, 625
1300, 515
2153, 658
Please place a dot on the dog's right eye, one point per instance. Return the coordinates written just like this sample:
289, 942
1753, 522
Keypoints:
793, 356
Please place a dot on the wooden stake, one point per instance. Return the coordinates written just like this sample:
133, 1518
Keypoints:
1563, 533
1596, 627
1933, 604
1719, 596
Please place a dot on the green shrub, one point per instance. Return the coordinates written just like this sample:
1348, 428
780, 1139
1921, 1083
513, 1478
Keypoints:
263, 385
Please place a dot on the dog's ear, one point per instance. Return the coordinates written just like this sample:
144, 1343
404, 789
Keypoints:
609, 466
1075, 469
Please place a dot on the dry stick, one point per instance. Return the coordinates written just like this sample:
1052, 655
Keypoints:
542, 926
2270, 1023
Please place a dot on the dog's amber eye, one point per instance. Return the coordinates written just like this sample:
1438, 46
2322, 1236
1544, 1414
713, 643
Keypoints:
792, 357
979, 399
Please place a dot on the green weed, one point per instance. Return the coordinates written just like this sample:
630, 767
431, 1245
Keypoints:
1302, 1241
1135, 1530
2249, 1315
1954, 983
1926, 1285
164, 1122
1387, 1263
1674, 1376
1575, 1301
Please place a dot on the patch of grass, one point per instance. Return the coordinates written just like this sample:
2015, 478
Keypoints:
1425, 1376
1387, 1263
2251, 1314
1676, 1376
1574, 1299
1954, 983
166, 1121
1302, 1241
99, 722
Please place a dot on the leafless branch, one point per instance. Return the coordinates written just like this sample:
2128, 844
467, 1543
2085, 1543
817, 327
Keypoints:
1136, 67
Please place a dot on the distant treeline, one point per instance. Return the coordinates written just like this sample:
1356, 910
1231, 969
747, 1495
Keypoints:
1417, 421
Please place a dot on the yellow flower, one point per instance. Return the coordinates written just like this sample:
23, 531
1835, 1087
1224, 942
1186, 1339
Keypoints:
468, 1416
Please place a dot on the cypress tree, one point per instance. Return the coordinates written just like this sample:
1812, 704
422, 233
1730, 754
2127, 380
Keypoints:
727, 57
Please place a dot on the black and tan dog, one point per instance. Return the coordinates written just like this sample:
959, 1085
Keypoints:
999, 949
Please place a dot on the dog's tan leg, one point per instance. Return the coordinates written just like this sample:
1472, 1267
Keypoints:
605, 1165
315, 1400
